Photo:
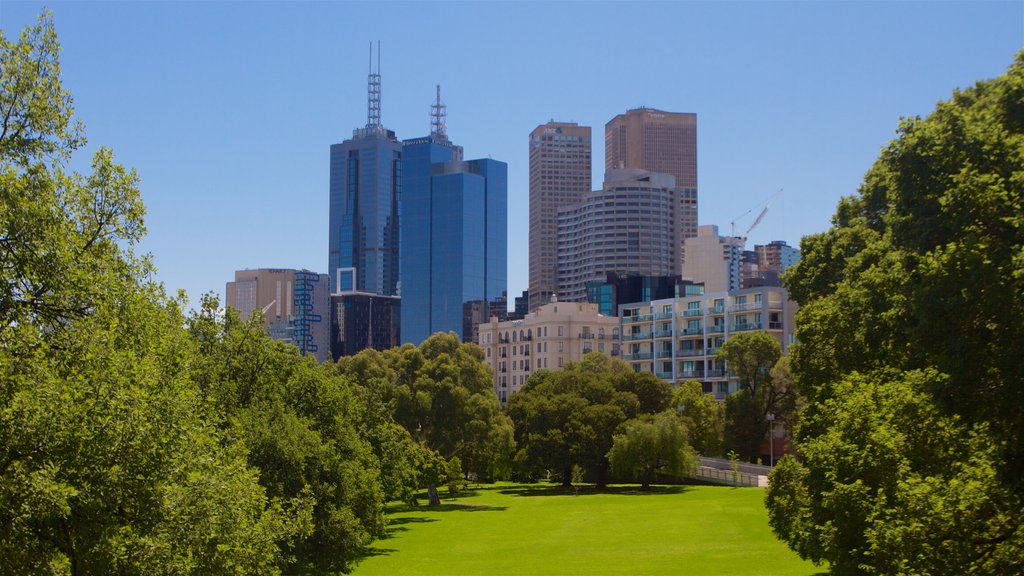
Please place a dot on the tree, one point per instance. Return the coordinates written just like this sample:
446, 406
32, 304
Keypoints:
651, 445
703, 416
911, 330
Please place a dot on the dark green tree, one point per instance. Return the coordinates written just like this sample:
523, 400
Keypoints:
703, 416
649, 446
911, 332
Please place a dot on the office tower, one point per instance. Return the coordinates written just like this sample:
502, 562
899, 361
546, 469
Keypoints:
365, 188
546, 338
294, 304
716, 261
560, 175
360, 320
454, 236
631, 225
658, 141
617, 289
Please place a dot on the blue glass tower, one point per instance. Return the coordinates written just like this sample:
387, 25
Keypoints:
364, 213
454, 237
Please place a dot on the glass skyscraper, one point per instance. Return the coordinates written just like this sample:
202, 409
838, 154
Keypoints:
454, 239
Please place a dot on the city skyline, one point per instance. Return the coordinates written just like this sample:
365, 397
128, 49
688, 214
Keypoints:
227, 111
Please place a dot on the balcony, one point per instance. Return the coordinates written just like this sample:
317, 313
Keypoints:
716, 310
638, 356
690, 352
664, 375
690, 375
663, 334
664, 354
640, 318
663, 316
716, 329
747, 326
746, 306
694, 312
712, 351
716, 373
636, 336
692, 331
775, 325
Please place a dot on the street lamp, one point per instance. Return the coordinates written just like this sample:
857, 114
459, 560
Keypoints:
771, 438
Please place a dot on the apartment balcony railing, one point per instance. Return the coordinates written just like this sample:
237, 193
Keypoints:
640, 318
712, 350
692, 331
638, 356
716, 310
663, 334
637, 336
664, 375
747, 326
663, 316
690, 352
716, 329
693, 312
775, 325
664, 354
690, 374
746, 306
716, 373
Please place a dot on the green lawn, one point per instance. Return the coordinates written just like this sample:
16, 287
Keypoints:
511, 529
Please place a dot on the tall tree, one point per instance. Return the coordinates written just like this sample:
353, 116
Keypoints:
651, 445
911, 331
703, 416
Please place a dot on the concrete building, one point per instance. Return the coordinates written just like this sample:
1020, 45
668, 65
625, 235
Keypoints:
658, 141
618, 289
548, 337
294, 305
560, 175
454, 236
631, 225
363, 216
677, 338
713, 260
776, 256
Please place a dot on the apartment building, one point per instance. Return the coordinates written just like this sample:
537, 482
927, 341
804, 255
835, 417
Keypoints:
550, 336
677, 338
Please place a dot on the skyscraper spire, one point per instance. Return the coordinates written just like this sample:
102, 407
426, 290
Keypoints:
373, 91
438, 117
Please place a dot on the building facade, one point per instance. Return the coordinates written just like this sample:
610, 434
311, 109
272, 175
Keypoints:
618, 289
454, 238
658, 141
547, 338
294, 304
776, 256
360, 320
363, 215
631, 225
677, 339
560, 175
713, 260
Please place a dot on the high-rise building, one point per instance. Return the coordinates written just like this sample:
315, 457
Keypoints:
360, 320
560, 175
618, 289
454, 236
658, 141
776, 256
294, 304
631, 225
713, 260
365, 188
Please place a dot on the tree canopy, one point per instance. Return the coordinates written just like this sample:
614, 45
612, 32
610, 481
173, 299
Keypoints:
911, 334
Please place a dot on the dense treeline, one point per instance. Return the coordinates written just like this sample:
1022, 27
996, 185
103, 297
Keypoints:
911, 339
136, 439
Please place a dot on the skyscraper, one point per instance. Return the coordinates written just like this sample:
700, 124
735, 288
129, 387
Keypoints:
560, 175
454, 236
716, 261
631, 225
365, 187
658, 141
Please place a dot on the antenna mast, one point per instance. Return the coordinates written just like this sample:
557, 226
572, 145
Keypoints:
373, 91
439, 117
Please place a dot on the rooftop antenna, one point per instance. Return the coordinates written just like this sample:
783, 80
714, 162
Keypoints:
439, 117
373, 91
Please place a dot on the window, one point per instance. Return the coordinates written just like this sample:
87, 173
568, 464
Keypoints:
559, 361
600, 346
560, 331
561, 346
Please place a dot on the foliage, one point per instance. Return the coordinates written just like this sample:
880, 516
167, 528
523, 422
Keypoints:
109, 459
570, 416
703, 416
577, 478
911, 330
649, 446
455, 477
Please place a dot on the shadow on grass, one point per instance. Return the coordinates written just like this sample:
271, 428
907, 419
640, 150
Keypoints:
371, 551
621, 490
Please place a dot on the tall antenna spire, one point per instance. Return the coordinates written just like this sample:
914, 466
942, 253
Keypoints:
373, 91
438, 117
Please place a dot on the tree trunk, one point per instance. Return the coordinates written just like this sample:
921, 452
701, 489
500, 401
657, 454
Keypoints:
567, 477
434, 499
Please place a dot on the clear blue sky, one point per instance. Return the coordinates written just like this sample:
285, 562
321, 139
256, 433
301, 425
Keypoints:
227, 109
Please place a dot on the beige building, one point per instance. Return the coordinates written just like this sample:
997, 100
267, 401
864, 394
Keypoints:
677, 338
560, 175
658, 141
555, 333
715, 260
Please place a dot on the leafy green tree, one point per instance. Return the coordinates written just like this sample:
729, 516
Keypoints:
703, 416
911, 330
651, 445
110, 462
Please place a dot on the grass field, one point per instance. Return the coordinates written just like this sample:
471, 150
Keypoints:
513, 529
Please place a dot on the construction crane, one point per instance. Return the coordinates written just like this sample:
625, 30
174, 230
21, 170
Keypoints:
768, 204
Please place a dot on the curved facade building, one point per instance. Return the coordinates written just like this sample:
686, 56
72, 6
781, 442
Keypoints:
632, 225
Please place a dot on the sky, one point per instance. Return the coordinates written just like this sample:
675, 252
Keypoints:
227, 110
